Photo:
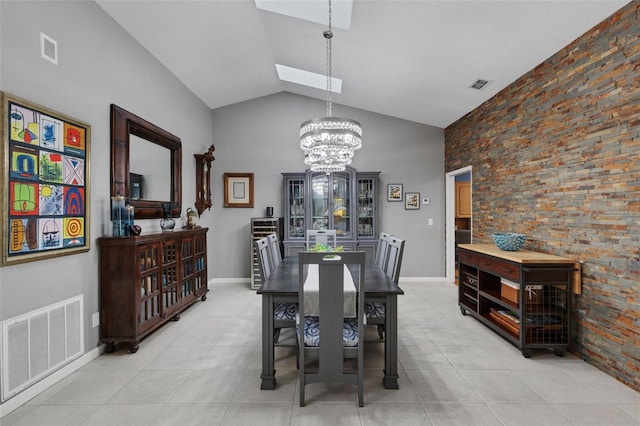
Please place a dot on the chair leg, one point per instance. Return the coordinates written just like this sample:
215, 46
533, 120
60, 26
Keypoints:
276, 335
381, 331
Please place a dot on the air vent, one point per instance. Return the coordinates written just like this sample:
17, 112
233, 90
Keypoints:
48, 49
479, 84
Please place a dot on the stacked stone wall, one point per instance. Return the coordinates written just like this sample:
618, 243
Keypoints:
556, 155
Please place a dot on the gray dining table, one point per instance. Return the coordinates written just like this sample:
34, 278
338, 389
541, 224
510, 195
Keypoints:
282, 287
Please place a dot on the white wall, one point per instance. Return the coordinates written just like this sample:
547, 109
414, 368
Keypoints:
99, 64
262, 136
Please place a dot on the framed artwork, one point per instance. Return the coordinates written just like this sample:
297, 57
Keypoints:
412, 201
394, 192
45, 186
238, 189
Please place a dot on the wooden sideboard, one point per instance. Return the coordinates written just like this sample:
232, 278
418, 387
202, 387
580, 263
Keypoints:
524, 296
148, 280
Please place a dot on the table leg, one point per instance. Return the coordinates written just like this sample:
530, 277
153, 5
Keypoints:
268, 375
390, 380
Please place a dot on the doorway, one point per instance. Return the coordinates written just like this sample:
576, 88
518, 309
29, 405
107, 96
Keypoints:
450, 233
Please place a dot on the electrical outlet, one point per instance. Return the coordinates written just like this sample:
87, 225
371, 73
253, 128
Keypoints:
430, 221
95, 319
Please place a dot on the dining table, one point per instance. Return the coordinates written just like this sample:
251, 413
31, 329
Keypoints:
283, 286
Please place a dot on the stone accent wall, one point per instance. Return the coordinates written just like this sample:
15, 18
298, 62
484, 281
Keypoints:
556, 155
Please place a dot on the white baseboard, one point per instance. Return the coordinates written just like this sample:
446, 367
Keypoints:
44, 384
230, 280
418, 279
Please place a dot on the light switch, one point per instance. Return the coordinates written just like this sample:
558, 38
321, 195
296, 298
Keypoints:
425, 201
430, 221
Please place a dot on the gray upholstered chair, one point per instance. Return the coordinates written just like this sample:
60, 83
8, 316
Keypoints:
284, 314
381, 251
321, 236
392, 261
274, 245
326, 334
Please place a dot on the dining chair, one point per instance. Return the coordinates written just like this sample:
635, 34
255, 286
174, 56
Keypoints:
381, 250
321, 236
284, 314
376, 310
274, 245
326, 335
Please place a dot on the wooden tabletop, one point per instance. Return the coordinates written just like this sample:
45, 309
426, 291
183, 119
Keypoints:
520, 256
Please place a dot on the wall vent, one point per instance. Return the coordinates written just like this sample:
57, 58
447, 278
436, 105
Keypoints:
479, 84
39, 342
48, 49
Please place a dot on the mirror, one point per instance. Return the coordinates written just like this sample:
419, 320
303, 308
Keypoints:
145, 164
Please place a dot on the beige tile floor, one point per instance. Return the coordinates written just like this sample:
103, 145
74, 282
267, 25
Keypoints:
205, 370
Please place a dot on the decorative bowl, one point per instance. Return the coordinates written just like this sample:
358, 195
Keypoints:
509, 241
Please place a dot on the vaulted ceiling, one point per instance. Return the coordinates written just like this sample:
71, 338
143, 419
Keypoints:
414, 60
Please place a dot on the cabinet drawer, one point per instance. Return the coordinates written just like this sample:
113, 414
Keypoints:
490, 264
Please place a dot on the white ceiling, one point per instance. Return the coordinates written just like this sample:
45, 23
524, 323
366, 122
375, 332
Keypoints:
409, 59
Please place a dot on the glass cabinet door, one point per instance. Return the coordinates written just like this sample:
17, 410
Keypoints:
342, 204
295, 226
331, 202
320, 205
366, 207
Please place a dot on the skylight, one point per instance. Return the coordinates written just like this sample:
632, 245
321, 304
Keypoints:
312, 10
307, 78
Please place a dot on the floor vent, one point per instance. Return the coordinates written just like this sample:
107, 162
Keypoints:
39, 342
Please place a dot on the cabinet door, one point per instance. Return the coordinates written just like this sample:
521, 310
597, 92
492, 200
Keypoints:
187, 268
367, 191
295, 225
200, 277
149, 286
463, 199
331, 202
170, 284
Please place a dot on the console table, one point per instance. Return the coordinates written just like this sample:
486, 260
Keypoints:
524, 296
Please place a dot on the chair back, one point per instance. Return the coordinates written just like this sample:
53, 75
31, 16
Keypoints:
381, 251
274, 245
321, 236
395, 249
331, 350
264, 258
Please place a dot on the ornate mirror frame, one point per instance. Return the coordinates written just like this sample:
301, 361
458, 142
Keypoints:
124, 124
203, 180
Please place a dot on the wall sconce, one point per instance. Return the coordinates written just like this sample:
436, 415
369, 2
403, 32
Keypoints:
203, 180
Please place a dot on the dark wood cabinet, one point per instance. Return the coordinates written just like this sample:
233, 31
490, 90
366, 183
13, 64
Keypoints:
148, 280
524, 296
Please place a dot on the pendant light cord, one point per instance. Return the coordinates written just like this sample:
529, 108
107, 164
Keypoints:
329, 35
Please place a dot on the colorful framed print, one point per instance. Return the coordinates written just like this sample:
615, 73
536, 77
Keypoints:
394, 192
412, 201
45, 187
238, 189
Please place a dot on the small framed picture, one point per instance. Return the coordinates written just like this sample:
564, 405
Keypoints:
412, 201
238, 190
394, 192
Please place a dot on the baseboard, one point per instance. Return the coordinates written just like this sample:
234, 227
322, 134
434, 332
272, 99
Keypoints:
230, 280
44, 384
418, 279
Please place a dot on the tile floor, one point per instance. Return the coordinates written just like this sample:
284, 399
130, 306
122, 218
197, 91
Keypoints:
205, 370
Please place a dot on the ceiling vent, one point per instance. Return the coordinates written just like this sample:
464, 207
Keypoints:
479, 84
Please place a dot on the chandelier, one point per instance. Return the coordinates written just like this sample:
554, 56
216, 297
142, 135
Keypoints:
329, 143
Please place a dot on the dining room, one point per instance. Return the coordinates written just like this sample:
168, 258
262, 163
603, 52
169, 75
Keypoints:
553, 154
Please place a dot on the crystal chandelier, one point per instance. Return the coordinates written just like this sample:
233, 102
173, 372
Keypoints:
329, 143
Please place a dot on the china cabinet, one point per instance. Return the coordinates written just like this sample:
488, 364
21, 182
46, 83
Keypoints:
345, 201
148, 280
